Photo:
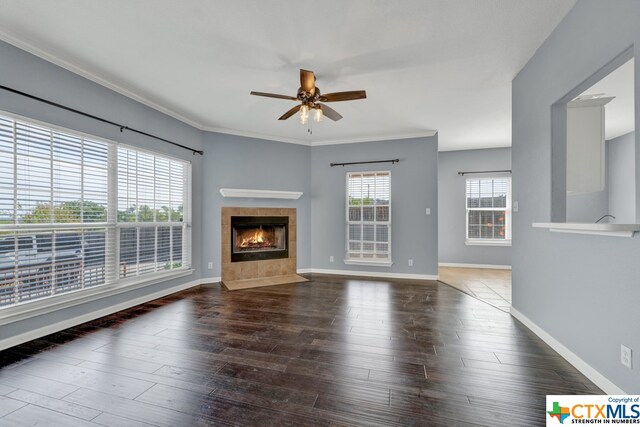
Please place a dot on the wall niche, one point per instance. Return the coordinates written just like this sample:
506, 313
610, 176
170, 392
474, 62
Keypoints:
594, 149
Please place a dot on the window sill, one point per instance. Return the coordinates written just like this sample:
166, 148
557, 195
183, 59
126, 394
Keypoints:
373, 263
46, 305
487, 242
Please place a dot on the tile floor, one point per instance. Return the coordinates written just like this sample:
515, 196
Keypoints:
489, 285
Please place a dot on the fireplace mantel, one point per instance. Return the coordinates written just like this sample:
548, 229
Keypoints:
260, 194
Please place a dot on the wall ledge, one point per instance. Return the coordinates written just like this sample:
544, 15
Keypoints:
587, 370
613, 230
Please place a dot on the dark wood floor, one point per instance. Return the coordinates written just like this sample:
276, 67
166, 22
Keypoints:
333, 351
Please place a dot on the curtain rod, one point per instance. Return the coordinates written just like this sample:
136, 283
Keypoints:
499, 171
392, 161
91, 116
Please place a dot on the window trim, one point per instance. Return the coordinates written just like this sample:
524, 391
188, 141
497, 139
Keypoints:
508, 216
54, 302
372, 261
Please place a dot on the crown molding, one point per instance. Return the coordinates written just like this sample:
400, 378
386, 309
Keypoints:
424, 134
69, 66
319, 143
256, 135
468, 148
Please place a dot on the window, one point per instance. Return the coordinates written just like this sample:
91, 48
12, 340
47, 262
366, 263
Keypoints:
151, 225
488, 211
77, 212
369, 217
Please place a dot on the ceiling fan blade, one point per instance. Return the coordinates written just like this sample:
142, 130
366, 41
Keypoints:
343, 96
290, 113
330, 112
308, 81
274, 95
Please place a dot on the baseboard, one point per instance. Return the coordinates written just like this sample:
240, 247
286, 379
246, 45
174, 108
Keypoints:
304, 271
382, 275
587, 370
463, 265
210, 280
68, 323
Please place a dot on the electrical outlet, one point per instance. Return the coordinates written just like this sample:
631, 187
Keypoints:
210, 266
410, 263
427, 211
625, 356
515, 206
331, 258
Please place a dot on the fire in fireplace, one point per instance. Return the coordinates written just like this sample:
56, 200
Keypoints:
258, 238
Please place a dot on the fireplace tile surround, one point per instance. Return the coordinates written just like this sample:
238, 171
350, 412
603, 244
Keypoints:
257, 269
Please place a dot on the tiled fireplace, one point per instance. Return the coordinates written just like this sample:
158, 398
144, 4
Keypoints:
257, 243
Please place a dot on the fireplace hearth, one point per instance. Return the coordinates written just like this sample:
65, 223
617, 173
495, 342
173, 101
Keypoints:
255, 238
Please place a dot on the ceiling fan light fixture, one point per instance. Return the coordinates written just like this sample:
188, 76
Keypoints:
304, 114
317, 117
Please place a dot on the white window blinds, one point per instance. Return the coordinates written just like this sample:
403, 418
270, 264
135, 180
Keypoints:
151, 212
60, 213
369, 216
488, 202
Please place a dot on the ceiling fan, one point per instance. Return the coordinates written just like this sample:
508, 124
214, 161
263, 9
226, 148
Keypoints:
310, 99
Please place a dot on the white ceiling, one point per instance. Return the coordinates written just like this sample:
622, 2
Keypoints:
426, 65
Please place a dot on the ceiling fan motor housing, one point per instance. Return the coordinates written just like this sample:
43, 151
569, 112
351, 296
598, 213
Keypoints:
308, 97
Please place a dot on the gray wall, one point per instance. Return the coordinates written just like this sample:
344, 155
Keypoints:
23, 71
582, 290
621, 178
618, 196
414, 235
452, 209
238, 162
588, 207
